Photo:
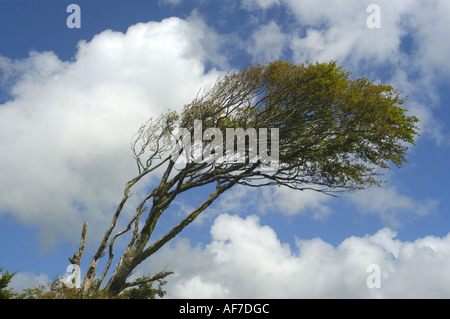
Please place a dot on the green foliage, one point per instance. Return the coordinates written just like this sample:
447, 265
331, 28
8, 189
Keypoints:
145, 291
5, 279
334, 132
57, 289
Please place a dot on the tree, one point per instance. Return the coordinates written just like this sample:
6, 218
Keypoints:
5, 279
326, 132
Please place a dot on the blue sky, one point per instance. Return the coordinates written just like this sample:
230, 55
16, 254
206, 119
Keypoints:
71, 98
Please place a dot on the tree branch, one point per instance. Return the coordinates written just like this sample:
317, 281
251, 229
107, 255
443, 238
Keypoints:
75, 260
158, 276
190, 218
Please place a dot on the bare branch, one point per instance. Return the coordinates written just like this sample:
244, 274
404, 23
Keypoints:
75, 260
189, 219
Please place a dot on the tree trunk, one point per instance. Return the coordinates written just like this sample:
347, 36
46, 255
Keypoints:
131, 258
118, 281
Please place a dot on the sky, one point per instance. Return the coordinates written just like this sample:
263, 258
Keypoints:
72, 96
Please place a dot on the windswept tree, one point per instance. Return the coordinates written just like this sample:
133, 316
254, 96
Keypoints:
324, 131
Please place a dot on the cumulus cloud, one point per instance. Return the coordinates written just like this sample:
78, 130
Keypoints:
276, 199
338, 30
267, 43
22, 281
66, 131
393, 208
428, 25
247, 260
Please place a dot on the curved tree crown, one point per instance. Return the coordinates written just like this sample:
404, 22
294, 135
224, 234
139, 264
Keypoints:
333, 132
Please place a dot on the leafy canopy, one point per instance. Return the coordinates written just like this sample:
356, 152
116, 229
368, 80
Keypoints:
5, 279
333, 131
58, 289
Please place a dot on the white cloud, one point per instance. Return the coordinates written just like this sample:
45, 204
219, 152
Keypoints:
338, 30
267, 43
291, 202
65, 152
281, 200
22, 281
428, 22
247, 260
392, 207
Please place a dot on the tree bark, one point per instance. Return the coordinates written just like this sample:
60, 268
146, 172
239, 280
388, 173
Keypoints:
75, 260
